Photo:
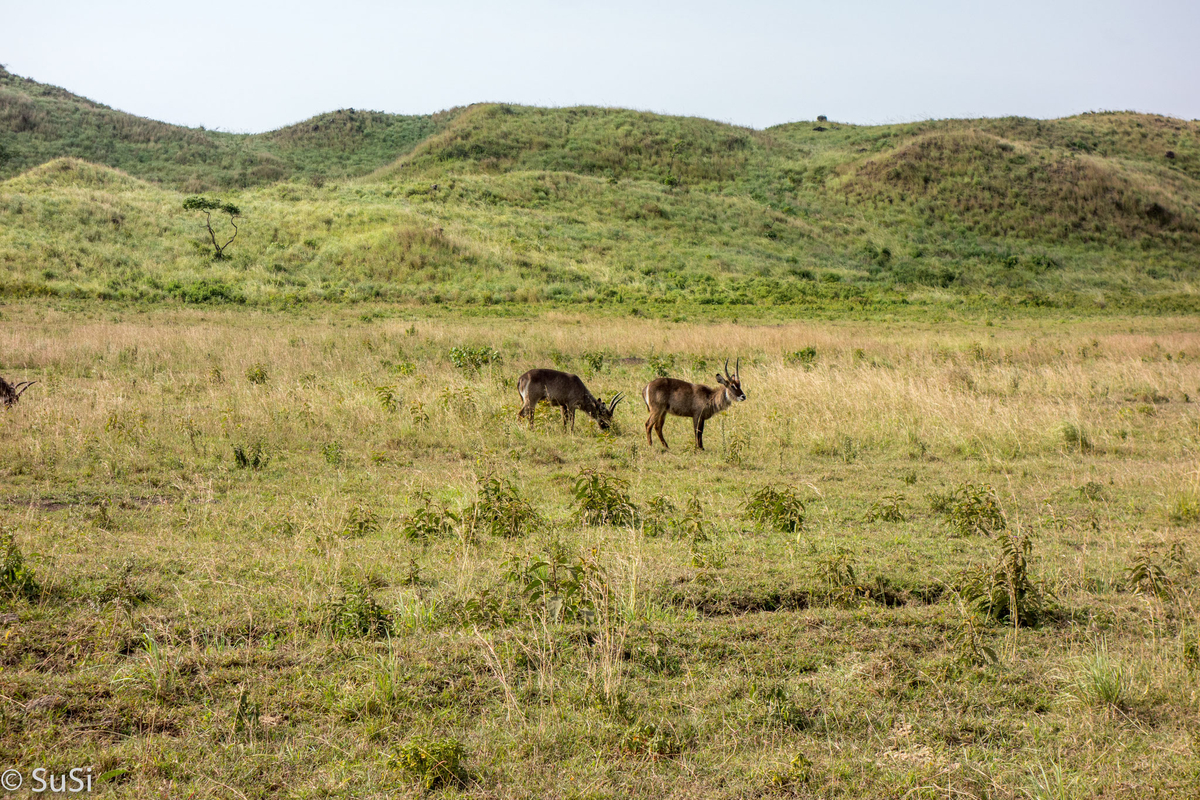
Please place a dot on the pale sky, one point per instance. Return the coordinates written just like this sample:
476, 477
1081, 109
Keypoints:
251, 66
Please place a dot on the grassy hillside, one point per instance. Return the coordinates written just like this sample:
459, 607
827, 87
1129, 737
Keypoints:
39, 123
503, 204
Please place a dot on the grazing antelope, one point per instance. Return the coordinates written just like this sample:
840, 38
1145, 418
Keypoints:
566, 390
682, 399
9, 394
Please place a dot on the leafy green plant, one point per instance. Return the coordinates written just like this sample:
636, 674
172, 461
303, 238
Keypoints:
662, 365
603, 499
974, 508
778, 707
659, 516
361, 521
434, 763
1146, 576
594, 360
429, 520
1075, 437
16, 579
653, 739
565, 589
735, 451
253, 457
1005, 590
805, 357
797, 773
782, 508
388, 398
355, 613
474, 358
332, 452
889, 508
257, 374
501, 510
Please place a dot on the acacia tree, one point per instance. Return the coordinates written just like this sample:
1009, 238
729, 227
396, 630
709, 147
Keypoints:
197, 203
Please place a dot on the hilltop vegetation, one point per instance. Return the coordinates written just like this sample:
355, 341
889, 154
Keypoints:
504, 204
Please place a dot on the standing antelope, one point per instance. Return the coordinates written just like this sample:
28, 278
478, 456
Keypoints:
682, 399
566, 390
9, 394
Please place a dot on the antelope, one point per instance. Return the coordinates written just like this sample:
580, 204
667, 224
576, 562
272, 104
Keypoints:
9, 394
682, 399
565, 390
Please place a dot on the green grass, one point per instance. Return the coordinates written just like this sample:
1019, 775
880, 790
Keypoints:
200, 628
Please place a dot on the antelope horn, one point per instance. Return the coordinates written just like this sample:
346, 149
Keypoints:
737, 370
26, 384
727, 368
615, 400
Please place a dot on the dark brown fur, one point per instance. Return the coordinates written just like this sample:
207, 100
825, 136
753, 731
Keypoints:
9, 394
565, 390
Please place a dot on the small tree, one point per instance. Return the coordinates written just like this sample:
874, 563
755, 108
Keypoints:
197, 203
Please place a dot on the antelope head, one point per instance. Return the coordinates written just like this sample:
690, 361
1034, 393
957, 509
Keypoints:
733, 383
602, 413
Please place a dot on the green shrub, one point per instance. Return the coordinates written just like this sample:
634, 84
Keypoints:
1145, 576
356, 614
502, 511
1004, 590
1076, 438
16, 579
782, 509
361, 521
889, 508
434, 763
661, 365
474, 358
430, 520
974, 508
603, 499
257, 374
253, 457
388, 399
658, 519
653, 739
804, 357
563, 588
594, 360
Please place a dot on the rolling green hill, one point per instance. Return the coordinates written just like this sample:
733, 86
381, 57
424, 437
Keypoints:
507, 204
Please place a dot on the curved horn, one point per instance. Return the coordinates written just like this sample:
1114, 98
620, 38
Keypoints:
616, 399
737, 370
26, 385
727, 368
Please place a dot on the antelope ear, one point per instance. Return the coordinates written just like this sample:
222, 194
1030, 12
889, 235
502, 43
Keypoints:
722, 381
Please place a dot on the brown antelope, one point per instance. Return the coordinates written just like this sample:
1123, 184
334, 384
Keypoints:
9, 394
565, 390
682, 399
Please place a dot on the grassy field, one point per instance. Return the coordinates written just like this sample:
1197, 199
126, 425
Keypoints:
312, 553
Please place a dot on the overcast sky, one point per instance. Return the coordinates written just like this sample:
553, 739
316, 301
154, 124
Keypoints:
251, 67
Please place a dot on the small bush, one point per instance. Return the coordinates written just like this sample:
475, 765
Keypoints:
796, 774
974, 508
434, 763
603, 499
502, 511
430, 520
1145, 576
16, 579
1004, 590
659, 516
782, 509
653, 739
388, 399
805, 357
661, 365
253, 458
361, 521
564, 589
355, 614
1076, 438
474, 358
889, 508
257, 374
332, 451
594, 360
